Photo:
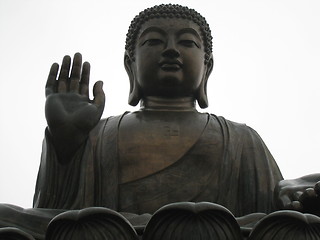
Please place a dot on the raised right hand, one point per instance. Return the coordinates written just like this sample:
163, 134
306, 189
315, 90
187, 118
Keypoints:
70, 114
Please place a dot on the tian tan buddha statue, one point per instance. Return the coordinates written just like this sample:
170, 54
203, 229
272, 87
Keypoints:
167, 151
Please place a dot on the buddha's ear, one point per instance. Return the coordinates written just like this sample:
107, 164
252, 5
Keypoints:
202, 96
134, 93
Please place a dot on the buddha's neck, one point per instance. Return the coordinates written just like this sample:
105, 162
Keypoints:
168, 104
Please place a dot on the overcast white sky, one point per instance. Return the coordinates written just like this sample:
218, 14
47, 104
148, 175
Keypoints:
266, 74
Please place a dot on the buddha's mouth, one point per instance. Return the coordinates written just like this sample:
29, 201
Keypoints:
170, 65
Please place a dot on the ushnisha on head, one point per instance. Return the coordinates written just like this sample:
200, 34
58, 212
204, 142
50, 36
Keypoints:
168, 54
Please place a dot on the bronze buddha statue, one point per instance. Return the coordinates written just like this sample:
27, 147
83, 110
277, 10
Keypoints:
166, 151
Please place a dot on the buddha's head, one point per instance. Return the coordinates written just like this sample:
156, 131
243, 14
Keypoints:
168, 54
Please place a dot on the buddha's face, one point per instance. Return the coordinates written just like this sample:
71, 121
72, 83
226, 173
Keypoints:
169, 58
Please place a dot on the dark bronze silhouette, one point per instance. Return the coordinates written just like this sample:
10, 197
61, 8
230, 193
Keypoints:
167, 151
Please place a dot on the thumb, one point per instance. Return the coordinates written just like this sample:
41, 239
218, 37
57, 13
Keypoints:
98, 93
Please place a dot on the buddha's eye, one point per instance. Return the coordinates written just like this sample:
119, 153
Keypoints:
152, 42
188, 43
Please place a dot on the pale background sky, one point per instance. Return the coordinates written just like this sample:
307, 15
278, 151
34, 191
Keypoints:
266, 74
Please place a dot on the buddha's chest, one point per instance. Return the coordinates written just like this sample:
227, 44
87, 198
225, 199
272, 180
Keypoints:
149, 142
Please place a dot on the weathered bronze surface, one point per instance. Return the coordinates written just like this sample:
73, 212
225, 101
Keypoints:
167, 151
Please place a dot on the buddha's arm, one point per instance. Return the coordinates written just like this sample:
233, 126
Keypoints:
70, 114
301, 194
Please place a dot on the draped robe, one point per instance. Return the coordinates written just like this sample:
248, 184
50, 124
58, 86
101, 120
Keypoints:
228, 164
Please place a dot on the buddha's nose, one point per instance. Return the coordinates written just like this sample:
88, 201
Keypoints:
171, 50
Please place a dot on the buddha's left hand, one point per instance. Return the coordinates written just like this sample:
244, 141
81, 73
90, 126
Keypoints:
301, 194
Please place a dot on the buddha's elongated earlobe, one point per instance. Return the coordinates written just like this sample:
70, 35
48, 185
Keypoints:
202, 96
134, 93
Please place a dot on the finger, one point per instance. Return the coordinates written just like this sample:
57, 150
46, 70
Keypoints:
64, 74
308, 194
294, 205
75, 73
51, 81
284, 202
84, 82
317, 188
98, 93
296, 196
297, 206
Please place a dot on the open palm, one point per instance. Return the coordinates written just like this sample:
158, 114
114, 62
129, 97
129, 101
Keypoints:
70, 113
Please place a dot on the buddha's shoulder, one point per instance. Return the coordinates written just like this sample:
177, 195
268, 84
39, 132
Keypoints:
110, 123
240, 128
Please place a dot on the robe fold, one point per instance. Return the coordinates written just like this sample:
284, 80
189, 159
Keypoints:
228, 164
